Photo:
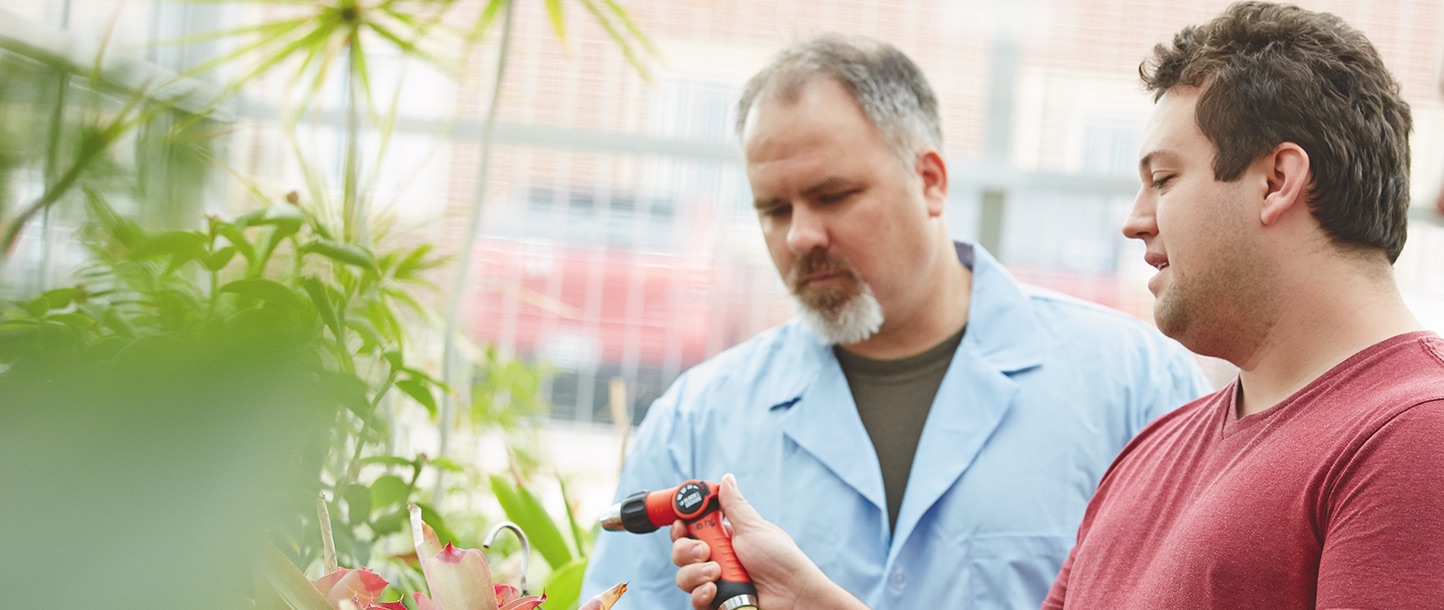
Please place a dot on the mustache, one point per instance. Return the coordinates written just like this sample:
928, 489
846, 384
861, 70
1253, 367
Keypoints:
813, 264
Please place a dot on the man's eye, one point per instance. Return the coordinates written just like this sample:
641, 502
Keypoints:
836, 197
1161, 181
777, 211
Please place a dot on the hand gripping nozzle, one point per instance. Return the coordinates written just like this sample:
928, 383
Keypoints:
697, 505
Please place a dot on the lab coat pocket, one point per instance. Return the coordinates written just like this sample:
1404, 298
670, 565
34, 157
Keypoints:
1015, 570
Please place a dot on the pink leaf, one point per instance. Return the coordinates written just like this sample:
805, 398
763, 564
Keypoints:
524, 603
459, 579
505, 593
422, 536
360, 586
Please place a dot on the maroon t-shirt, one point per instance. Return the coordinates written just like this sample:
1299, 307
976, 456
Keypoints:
1334, 498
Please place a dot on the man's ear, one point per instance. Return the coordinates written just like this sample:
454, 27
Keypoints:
934, 174
1286, 171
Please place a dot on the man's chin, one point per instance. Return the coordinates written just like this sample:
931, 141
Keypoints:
853, 321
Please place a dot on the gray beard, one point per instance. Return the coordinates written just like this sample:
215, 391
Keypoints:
855, 321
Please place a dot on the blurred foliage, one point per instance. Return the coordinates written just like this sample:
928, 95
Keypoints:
195, 386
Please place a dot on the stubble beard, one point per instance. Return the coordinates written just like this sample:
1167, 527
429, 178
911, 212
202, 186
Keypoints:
840, 315
1223, 312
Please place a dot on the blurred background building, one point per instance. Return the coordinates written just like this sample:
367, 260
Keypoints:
618, 239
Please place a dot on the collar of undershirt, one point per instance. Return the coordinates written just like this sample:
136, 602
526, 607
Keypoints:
929, 360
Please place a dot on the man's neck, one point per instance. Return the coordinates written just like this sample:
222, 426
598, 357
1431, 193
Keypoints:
940, 314
1321, 324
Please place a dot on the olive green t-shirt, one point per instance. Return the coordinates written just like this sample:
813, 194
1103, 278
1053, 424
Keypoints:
893, 398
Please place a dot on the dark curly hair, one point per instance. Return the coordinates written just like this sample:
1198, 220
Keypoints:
1273, 73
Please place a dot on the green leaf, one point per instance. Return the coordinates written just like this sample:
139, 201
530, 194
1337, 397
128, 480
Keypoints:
433, 518
389, 490
388, 460
389, 523
272, 293
180, 246
322, 300
233, 234
370, 338
218, 259
554, 12
393, 357
36, 307
418, 391
60, 298
415, 262
349, 254
447, 464
358, 504
617, 37
279, 575
23, 342
579, 536
484, 21
526, 511
286, 218
631, 26
349, 391
75, 320
117, 324
564, 586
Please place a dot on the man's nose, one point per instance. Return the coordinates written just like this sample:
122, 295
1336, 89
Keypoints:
808, 231
1141, 222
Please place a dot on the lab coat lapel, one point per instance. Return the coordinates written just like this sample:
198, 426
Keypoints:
977, 391
970, 403
824, 422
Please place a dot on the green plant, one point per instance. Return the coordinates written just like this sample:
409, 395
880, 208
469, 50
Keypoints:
304, 281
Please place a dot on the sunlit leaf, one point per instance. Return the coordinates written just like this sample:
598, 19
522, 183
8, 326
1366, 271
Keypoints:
59, 298
387, 460
349, 254
281, 576
579, 535
358, 503
181, 245
271, 292
350, 392
447, 464
388, 490
418, 391
526, 511
564, 586
554, 13
321, 299
220, 258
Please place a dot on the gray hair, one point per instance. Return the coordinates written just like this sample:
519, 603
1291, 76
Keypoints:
888, 86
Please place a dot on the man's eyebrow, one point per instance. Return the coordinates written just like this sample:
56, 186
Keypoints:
827, 184
1146, 162
768, 203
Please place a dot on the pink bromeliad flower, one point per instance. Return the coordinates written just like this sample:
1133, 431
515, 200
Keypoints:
358, 588
460, 579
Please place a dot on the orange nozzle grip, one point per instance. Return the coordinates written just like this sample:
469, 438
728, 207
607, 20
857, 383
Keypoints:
708, 528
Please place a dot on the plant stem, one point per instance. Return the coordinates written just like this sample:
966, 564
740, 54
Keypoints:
355, 229
346, 476
449, 363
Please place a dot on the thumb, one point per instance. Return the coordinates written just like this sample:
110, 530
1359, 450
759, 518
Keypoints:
736, 507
